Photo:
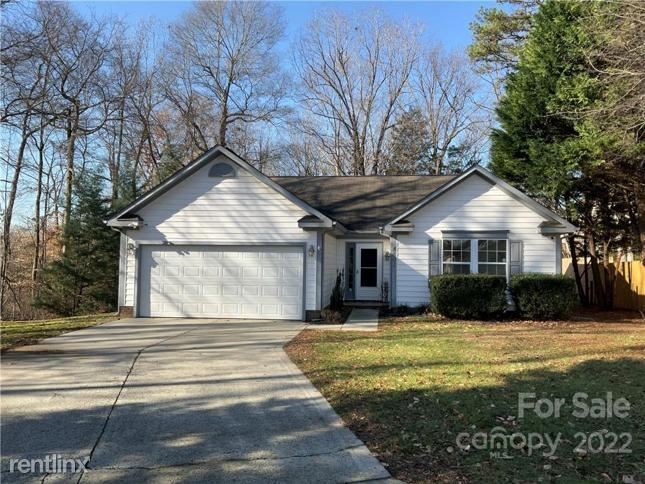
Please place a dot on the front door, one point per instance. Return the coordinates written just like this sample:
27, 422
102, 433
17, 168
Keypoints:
368, 272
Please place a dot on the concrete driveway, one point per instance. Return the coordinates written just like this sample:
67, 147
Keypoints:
174, 400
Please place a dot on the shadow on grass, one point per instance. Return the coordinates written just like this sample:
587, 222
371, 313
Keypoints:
415, 430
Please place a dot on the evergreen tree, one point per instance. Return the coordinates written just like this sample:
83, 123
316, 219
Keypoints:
409, 149
544, 147
534, 146
85, 278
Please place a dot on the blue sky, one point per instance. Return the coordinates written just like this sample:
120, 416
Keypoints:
447, 21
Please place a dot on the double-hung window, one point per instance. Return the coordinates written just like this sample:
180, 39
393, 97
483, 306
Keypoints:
474, 255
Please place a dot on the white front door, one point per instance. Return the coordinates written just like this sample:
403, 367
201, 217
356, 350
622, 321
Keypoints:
369, 272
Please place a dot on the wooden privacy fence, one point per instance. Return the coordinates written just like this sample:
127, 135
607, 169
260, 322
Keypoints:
629, 285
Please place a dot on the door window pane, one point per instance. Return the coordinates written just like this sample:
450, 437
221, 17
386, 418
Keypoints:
368, 257
368, 277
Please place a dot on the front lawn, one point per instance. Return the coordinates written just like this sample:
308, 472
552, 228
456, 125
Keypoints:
411, 389
20, 333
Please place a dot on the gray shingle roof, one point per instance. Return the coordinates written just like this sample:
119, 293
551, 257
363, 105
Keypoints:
362, 202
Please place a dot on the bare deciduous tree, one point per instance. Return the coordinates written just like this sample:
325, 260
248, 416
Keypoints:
79, 49
353, 77
223, 68
25, 79
446, 89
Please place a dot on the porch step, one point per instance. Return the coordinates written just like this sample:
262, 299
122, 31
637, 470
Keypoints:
365, 304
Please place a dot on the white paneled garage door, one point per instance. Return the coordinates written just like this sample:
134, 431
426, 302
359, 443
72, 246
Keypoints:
216, 282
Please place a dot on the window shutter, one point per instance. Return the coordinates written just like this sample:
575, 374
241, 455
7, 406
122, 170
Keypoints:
516, 257
435, 257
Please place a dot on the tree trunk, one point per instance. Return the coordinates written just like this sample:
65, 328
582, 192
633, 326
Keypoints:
609, 277
223, 121
640, 193
72, 130
37, 232
117, 162
598, 283
6, 226
584, 300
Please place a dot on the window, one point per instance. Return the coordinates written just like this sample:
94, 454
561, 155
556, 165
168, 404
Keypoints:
456, 256
466, 256
221, 170
491, 257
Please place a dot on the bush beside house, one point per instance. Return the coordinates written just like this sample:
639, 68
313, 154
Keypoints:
468, 296
543, 296
480, 296
336, 313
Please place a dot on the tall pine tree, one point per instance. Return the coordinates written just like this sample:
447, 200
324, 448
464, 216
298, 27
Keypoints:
409, 148
85, 278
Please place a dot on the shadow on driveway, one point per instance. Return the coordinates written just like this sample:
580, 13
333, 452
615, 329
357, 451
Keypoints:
179, 400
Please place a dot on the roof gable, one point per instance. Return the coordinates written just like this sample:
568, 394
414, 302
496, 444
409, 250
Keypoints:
193, 167
557, 224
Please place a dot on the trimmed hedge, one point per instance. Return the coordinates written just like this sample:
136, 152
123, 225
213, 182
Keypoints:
544, 296
468, 296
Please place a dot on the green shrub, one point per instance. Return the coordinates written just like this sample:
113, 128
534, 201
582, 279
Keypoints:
468, 296
544, 296
338, 292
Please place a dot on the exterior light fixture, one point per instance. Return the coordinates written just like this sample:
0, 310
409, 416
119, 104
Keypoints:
312, 251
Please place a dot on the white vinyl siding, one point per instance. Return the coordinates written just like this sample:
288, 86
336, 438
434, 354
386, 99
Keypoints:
475, 204
227, 212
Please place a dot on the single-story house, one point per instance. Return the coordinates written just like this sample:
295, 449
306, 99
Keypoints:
220, 239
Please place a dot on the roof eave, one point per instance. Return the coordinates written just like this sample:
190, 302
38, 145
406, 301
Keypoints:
547, 228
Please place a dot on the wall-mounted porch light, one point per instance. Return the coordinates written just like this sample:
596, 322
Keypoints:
311, 251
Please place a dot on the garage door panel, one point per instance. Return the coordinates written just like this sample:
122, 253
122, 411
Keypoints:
215, 282
270, 291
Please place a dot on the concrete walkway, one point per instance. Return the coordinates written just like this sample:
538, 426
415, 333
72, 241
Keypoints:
362, 319
172, 400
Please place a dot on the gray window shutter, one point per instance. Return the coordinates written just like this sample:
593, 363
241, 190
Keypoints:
435, 257
516, 257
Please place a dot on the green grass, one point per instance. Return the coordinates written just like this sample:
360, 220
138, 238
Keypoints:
410, 389
20, 333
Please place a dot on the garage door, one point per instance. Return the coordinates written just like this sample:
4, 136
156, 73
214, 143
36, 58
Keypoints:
213, 282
